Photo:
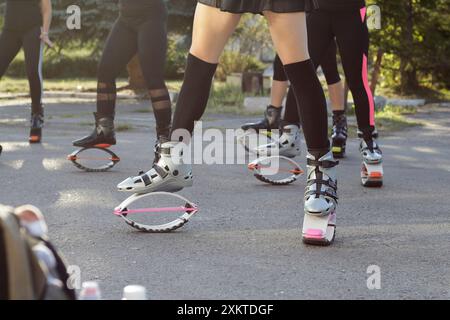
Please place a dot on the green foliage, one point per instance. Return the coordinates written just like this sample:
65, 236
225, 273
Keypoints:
394, 120
226, 98
234, 62
65, 64
96, 22
415, 38
181, 14
176, 58
399, 110
252, 36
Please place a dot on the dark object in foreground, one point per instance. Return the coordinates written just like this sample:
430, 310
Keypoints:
30, 266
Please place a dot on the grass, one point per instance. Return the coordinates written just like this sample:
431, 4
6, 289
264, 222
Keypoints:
395, 118
68, 116
224, 98
392, 118
425, 91
124, 127
86, 123
15, 85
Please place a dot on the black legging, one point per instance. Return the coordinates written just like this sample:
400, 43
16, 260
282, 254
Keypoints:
330, 69
11, 41
140, 29
350, 30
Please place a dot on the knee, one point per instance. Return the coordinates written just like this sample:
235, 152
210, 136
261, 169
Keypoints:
204, 55
355, 84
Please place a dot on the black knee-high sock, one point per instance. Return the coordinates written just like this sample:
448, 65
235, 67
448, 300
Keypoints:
311, 103
291, 113
194, 93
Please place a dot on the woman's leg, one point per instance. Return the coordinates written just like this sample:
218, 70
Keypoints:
272, 115
278, 92
291, 41
336, 94
33, 48
289, 142
120, 47
280, 83
212, 29
290, 37
330, 70
352, 37
320, 38
10, 44
317, 42
152, 49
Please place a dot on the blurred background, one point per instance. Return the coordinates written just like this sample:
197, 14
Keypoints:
410, 54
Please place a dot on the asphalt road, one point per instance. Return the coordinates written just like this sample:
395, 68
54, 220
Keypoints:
245, 243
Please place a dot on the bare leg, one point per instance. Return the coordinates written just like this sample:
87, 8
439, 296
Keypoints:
290, 37
278, 93
212, 29
336, 92
272, 115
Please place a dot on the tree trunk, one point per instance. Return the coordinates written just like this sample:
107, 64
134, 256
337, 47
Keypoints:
136, 78
376, 71
408, 72
409, 83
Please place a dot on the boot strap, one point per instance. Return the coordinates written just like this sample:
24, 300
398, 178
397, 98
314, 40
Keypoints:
330, 183
148, 179
331, 193
324, 164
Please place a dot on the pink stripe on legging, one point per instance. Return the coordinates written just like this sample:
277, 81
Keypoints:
363, 14
365, 75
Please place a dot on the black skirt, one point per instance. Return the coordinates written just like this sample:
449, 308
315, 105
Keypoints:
258, 6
